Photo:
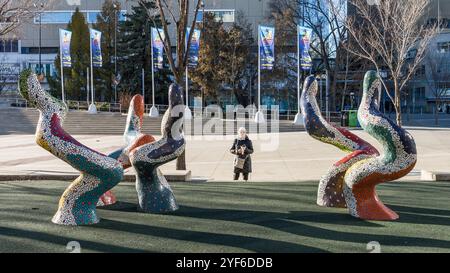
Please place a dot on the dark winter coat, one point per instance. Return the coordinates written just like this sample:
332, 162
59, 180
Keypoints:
248, 163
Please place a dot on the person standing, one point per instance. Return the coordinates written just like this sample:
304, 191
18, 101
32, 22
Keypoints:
242, 148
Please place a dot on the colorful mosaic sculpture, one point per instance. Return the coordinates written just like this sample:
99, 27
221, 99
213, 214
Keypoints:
398, 158
99, 173
132, 132
154, 193
356, 176
331, 186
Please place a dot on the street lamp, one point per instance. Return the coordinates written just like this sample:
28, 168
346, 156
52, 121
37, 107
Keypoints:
202, 5
40, 6
115, 52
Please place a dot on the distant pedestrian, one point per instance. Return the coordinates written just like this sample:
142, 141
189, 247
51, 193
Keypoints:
242, 148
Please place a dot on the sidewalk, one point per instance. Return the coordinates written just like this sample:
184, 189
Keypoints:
298, 157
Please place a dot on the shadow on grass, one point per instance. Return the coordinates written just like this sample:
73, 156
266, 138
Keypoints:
62, 241
290, 223
255, 244
295, 222
415, 215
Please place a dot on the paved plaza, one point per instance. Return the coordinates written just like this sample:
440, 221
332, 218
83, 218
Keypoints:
228, 218
284, 157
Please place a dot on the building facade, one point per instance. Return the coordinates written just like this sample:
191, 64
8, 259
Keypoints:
40, 35
21, 50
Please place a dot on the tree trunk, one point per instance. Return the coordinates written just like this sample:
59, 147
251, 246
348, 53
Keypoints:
181, 160
240, 97
398, 104
436, 113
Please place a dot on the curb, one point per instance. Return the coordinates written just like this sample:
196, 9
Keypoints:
70, 177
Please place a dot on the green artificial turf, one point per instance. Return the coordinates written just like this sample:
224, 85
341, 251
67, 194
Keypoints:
228, 217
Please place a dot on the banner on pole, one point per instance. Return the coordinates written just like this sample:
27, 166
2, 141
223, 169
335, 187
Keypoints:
96, 47
158, 47
304, 44
194, 48
65, 37
267, 47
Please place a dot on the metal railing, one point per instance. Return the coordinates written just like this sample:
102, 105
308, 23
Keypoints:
117, 108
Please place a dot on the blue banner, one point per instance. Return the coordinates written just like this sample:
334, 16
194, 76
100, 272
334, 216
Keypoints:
65, 37
96, 37
158, 47
304, 44
194, 48
267, 47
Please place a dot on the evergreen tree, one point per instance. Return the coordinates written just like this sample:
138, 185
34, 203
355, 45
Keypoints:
74, 77
106, 24
225, 55
211, 46
236, 58
135, 54
79, 50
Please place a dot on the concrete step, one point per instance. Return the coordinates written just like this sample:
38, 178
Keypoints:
19, 120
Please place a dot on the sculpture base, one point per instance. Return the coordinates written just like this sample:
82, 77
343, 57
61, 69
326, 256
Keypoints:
331, 193
86, 217
154, 113
259, 117
155, 194
92, 109
107, 199
299, 120
187, 113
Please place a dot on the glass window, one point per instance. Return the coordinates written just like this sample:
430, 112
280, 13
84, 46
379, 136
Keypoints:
9, 46
226, 16
53, 17
92, 16
443, 47
15, 46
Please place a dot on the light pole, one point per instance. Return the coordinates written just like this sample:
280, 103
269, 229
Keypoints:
115, 52
202, 5
40, 7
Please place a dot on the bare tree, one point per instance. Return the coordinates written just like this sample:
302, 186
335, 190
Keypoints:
437, 75
13, 13
176, 12
391, 35
326, 19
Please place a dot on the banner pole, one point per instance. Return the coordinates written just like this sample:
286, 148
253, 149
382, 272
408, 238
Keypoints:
298, 69
153, 69
187, 111
143, 84
259, 68
187, 86
153, 111
92, 79
92, 108
298, 117
259, 117
62, 77
87, 85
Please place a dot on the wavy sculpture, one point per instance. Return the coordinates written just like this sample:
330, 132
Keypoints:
132, 132
154, 193
354, 177
331, 186
398, 158
99, 173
